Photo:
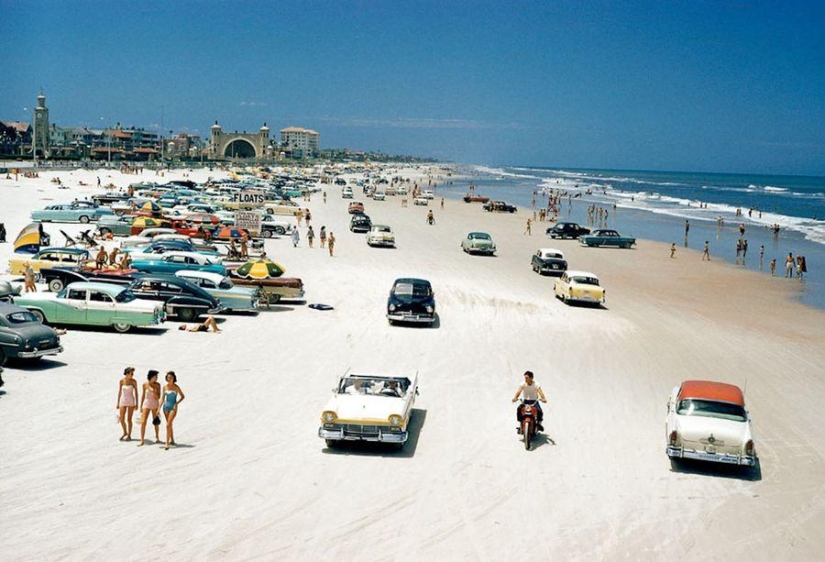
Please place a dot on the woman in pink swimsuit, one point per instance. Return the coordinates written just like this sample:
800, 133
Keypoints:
149, 405
126, 402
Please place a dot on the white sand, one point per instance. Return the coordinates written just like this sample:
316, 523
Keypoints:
250, 479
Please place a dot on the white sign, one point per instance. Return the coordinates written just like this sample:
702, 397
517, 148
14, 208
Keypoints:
248, 220
248, 196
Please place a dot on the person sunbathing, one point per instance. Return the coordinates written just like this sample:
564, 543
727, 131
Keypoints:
204, 326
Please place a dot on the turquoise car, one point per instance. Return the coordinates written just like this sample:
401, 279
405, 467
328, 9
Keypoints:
172, 262
220, 287
77, 211
93, 304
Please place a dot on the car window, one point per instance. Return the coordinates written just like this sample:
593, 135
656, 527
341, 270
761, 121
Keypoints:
99, 296
169, 288
711, 409
48, 256
410, 289
125, 296
586, 280
21, 317
76, 294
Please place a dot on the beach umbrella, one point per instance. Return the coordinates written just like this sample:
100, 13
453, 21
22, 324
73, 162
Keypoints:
260, 269
203, 218
151, 207
146, 222
228, 232
29, 239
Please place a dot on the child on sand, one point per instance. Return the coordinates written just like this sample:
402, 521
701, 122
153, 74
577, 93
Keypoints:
673, 250
323, 236
773, 267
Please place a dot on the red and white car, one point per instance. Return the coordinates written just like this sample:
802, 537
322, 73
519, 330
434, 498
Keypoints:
708, 421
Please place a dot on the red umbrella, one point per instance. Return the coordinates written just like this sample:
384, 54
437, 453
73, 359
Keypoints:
203, 218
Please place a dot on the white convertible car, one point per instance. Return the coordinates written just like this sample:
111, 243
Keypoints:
369, 408
707, 421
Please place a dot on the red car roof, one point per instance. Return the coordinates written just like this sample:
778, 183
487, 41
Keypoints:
707, 390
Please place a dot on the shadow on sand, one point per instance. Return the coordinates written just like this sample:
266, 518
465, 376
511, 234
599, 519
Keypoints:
690, 466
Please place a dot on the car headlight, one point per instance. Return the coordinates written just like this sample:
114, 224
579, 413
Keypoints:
329, 417
430, 309
392, 307
395, 419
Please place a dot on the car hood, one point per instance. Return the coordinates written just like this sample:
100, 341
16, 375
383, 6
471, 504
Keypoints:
365, 407
727, 433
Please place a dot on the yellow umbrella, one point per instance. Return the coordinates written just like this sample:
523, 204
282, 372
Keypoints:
260, 269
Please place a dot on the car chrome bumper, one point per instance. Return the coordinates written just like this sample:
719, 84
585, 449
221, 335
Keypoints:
217, 310
40, 352
724, 458
380, 437
418, 318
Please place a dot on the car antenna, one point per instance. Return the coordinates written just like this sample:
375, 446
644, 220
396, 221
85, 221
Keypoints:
745, 390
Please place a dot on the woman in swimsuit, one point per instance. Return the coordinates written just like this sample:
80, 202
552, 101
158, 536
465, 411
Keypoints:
149, 404
126, 402
172, 396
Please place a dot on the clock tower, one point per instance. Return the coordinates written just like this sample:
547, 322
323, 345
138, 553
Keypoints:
40, 132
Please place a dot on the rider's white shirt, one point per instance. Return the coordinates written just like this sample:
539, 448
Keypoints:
530, 392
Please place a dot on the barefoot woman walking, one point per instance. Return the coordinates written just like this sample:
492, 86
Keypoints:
126, 402
171, 394
149, 404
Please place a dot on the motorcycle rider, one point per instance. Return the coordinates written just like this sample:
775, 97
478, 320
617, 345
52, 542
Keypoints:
532, 394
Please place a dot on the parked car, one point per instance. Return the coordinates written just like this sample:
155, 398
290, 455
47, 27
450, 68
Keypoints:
229, 296
145, 237
579, 286
369, 408
171, 262
360, 223
182, 298
125, 225
355, 207
281, 207
411, 300
70, 212
49, 257
10, 289
93, 304
606, 237
567, 230
381, 235
478, 243
272, 226
707, 421
423, 201
379, 195
57, 278
548, 260
499, 207
23, 336
401, 190
160, 246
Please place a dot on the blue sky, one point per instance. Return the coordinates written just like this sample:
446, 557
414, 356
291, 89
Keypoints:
694, 85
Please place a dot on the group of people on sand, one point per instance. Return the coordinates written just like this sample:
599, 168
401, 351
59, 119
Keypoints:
102, 259
153, 399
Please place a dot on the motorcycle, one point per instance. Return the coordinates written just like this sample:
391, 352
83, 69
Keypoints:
528, 427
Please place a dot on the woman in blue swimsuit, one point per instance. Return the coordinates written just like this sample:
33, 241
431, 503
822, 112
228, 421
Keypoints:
172, 397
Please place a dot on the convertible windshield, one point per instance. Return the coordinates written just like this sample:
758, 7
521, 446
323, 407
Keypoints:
21, 317
374, 386
409, 289
711, 409
586, 281
125, 296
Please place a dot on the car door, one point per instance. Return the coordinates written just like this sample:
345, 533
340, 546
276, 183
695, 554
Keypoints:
100, 308
70, 307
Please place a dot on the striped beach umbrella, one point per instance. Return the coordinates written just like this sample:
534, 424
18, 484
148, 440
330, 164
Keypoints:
260, 269
28, 241
228, 232
146, 222
151, 207
203, 218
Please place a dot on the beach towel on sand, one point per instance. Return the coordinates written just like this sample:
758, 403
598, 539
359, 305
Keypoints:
319, 306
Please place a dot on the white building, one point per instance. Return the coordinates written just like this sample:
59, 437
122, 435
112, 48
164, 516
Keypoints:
300, 142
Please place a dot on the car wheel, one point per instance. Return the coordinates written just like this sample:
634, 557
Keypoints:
331, 443
187, 314
122, 327
39, 315
2, 357
279, 230
266, 234
56, 285
83, 219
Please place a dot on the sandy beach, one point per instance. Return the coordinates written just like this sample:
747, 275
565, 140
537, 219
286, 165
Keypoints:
250, 479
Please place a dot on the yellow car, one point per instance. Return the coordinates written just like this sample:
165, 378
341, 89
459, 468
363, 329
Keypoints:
49, 257
579, 286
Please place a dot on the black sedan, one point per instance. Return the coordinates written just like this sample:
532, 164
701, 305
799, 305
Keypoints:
567, 230
23, 336
360, 223
411, 300
499, 207
183, 299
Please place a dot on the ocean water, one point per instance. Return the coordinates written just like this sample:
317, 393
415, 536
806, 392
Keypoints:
655, 205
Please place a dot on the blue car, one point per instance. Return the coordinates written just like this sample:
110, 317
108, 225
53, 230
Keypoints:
77, 211
171, 262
